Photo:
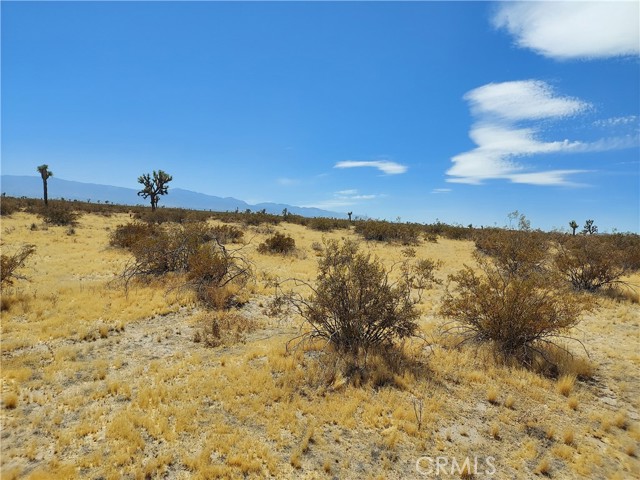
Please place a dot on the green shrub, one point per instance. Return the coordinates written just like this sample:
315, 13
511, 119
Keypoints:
278, 243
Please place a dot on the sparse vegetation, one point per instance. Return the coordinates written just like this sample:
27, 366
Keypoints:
216, 274
592, 262
355, 306
109, 383
512, 302
59, 213
380, 231
278, 243
11, 264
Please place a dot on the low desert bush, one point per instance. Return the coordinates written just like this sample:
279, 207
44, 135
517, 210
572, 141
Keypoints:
380, 231
11, 263
355, 307
278, 243
216, 274
8, 205
327, 224
58, 213
518, 314
592, 262
227, 233
223, 328
514, 251
260, 218
453, 232
127, 235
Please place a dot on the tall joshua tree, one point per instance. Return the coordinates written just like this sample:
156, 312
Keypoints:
45, 173
573, 225
154, 186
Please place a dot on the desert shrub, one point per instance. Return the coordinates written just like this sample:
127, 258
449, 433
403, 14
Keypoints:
259, 218
354, 306
517, 313
380, 231
227, 233
58, 213
127, 235
592, 262
317, 247
327, 224
514, 251
278, 243
9, 264
628, 244
223, 328
217, 275
167, 215
8, 205
453, 232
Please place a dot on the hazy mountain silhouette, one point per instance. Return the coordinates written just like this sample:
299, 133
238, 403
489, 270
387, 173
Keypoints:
31, 186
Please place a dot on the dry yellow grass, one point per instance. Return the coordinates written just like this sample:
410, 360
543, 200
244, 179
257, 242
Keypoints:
111, 384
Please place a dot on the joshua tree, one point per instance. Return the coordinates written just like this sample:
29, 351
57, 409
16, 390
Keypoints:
589, 228
154, 186
573, 225
45, 173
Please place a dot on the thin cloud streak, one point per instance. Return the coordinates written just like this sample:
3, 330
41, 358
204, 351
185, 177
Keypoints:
385, 166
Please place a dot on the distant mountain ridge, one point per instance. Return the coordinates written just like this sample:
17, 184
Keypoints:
31, 186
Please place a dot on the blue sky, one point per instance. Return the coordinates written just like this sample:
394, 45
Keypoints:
455, 111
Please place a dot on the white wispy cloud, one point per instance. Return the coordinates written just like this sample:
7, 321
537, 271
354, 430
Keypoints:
345, 198
501, 140
385, 166
573, 30
522, 100
347, 192
617, 121
286, 182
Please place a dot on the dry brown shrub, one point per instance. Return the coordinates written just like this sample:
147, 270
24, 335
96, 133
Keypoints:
519, 313
356, 309
215, 273
278, 243
11, 263
592, 262
223, 328
58, 213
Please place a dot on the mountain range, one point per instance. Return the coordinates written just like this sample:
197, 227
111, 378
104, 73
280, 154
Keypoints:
31, 186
